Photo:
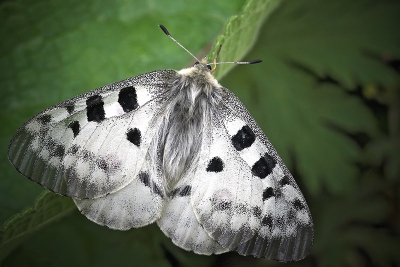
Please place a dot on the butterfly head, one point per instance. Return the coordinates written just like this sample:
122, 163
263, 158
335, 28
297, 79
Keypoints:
200, 75
203, 65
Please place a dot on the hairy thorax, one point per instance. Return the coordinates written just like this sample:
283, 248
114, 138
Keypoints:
194, 94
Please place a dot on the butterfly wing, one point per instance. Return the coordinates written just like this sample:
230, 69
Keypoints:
95, 143
136, 205
243, 195
178, 220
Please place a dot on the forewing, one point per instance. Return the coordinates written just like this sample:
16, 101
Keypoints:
244, 196
95, 143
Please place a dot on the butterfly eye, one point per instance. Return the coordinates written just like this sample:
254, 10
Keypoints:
197, 63
208, 66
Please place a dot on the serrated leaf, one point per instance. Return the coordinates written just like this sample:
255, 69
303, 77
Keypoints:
384, 152
351, 226
48, 208
346, 40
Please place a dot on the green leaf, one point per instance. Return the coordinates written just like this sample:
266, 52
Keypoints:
355, 223
76, 241
48, 208
348, 41
384, 151
241, 32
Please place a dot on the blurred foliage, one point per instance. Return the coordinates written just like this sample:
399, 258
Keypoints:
327, 95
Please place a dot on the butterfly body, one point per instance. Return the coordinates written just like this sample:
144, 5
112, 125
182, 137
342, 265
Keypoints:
194, 94
172, 147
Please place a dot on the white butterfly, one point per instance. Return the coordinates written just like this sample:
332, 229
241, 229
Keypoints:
172, 147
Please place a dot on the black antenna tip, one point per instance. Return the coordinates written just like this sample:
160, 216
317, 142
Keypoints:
255, 61
164, 29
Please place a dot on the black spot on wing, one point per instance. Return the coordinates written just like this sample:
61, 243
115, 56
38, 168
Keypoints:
44, 119
75, 127
215, 165
185, 191
181, 191
59, 151
174, 192
267, 221
134, 136
268, 192
263, 166
157, 190
127, 98
257, 211
95, 108
284, 181
244, 138
298, 205
144, 178
70, 108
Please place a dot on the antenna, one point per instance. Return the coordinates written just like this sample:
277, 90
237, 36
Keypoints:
215, 59
236, 62
173, 39
255, 61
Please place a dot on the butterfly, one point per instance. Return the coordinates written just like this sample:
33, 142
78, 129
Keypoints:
172, 147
